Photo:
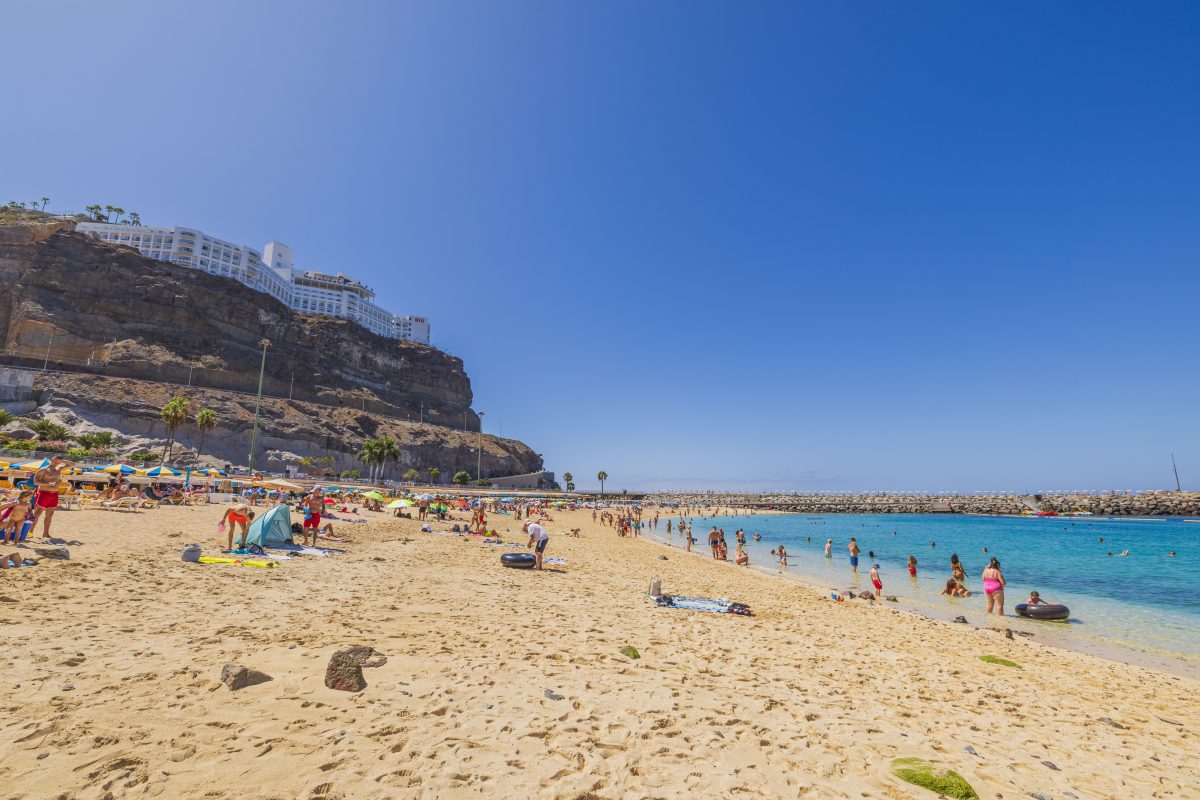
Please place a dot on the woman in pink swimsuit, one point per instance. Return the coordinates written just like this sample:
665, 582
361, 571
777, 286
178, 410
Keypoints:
993, 587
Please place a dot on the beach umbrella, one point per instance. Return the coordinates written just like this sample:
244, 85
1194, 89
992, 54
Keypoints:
117, 469
424, 497
399, 504
210, 472
280, 483
160, 472
32, 466
374, 495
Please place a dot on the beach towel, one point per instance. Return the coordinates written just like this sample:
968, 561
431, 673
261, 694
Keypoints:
238, 561
703, 604
28, 562
305, 549
549, 561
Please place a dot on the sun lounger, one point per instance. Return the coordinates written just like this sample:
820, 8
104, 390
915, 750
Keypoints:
121, 504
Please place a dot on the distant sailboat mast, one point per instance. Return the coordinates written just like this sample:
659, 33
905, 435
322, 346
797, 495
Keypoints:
1176, 473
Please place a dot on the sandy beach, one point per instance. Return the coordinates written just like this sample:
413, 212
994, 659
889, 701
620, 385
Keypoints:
511, 683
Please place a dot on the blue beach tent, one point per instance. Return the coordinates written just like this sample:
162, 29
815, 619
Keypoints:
272, 528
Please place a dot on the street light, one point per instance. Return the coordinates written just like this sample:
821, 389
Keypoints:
479, 450
258, 401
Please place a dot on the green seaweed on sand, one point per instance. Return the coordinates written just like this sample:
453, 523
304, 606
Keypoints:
629, 651
946, 782
1003, 662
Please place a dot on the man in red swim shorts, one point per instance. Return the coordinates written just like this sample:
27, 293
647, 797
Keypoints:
45, 500
314, 501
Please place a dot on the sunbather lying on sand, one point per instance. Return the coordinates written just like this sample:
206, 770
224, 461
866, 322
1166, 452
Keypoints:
15, 558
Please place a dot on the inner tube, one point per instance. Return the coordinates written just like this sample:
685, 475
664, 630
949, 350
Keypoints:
1043, 611
518, 560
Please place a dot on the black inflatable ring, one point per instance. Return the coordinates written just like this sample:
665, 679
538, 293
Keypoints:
1052, 611
518, 560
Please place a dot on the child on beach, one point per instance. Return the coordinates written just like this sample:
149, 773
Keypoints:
13, 514
782, 556
955, 589
875, 581
740, 556
1035, 599
912, 565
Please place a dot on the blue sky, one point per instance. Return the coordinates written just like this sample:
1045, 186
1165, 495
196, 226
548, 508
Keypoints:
828, 246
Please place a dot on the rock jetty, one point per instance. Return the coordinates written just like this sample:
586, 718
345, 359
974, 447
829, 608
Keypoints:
1110, 504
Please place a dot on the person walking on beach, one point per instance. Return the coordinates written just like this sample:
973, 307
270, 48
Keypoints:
314, 503
782, 553
876, 581
48, 479
993, 587
538, 539
854, 551
912, 565
714, 541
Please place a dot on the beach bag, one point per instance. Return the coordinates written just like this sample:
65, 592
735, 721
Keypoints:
191, 553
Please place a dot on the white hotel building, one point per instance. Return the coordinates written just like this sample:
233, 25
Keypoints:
272, 272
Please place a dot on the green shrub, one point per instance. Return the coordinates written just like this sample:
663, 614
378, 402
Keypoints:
76, 453
22, 444
49, 430
946, 782
351, 473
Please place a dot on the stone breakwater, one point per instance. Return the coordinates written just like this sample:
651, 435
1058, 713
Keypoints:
1139, 504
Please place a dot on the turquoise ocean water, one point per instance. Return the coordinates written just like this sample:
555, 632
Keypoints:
1145, 602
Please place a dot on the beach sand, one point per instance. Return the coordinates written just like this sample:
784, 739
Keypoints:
510, 683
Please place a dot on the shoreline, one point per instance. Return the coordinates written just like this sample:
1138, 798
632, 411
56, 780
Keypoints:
1117, 651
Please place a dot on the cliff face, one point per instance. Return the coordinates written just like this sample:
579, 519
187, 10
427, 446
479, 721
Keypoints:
132, 332
111, 311
287, 429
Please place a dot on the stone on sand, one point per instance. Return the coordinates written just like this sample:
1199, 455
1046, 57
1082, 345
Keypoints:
344, 672
235, 676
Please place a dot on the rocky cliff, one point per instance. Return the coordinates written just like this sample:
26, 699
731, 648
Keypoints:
128, 332
288, 430
107, 309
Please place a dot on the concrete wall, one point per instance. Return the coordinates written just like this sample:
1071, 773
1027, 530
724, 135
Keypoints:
534, 480
16, 385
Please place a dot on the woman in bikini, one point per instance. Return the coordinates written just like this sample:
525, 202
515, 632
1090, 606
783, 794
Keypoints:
234, 516
993, 587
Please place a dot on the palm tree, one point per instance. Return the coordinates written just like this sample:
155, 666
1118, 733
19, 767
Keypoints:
368, 454
135, 218
568, 477
434, 474
45, 200
174, 415
94, 211
6, 417
48, 430
118, 211
603, 476
388, 448
411, 475
206, 420
108, 212
570, 486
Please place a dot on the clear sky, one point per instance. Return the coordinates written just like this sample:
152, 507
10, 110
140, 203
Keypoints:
833, 246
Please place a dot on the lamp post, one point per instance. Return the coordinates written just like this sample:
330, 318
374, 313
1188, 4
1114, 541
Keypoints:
46, 363
479, 449
258, 401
